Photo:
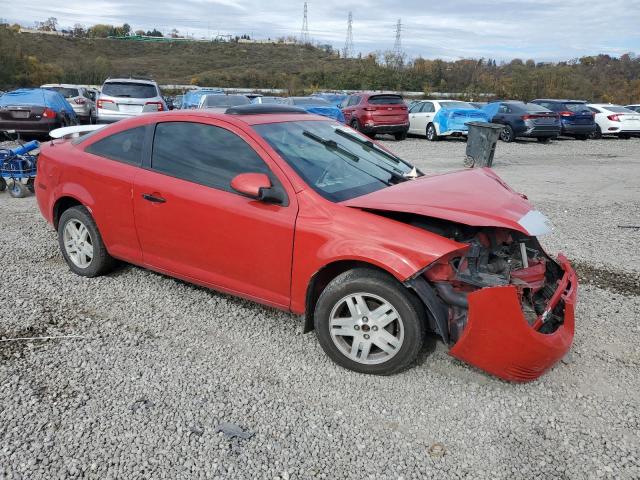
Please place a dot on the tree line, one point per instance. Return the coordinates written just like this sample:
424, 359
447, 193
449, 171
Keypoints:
301, 68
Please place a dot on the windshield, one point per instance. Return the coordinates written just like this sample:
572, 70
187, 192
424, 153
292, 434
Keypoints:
334, 160
271, 100
64, 91
535, 108
451, 105
310, 101
386, 100
617, 109
577, 107
129, 90
225, 100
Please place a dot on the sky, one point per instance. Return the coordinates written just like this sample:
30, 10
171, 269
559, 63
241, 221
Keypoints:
544, 30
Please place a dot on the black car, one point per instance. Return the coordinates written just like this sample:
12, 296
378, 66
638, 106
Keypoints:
526, 120
576, 119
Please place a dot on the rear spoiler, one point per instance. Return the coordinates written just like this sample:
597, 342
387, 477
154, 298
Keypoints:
75, 131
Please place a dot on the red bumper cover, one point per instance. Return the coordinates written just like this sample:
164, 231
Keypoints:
498, 339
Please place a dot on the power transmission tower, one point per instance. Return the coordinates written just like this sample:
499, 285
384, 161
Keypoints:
397, 47
304, 33
348, 44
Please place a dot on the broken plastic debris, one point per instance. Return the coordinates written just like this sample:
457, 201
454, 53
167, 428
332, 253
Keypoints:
437, 450
231, 430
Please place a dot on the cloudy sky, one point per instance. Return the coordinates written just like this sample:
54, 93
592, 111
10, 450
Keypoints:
502, 29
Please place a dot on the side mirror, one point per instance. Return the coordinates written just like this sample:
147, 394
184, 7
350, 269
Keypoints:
256, 186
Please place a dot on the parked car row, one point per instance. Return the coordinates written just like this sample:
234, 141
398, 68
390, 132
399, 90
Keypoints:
369, 113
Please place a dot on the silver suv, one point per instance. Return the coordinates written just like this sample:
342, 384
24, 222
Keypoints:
127, 97
82, 99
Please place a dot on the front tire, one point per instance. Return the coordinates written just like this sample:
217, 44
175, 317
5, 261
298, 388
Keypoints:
81, 243
366, 321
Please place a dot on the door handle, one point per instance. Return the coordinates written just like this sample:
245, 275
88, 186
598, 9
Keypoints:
152, 198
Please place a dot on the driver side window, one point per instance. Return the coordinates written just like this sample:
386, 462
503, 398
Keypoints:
203, 154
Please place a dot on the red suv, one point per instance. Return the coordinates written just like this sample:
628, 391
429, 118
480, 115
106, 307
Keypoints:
372, 113
302, 213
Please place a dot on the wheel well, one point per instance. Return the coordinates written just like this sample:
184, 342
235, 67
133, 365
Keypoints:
62, 204
322, 278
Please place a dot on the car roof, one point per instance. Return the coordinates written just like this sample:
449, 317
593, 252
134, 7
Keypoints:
130, 80
248, 119
559, 100
64, 85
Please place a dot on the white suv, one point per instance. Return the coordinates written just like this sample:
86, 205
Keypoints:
127, 97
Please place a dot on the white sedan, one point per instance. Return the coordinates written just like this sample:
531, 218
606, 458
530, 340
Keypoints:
615, 120
423, 120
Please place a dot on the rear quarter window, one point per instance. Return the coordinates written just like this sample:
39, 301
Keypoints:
125, 146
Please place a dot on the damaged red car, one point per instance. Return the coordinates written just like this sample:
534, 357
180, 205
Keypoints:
301, 213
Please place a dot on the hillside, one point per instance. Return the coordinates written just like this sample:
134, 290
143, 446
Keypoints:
266, 65
33, 59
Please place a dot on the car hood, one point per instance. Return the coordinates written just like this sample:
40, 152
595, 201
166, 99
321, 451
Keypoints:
476, 197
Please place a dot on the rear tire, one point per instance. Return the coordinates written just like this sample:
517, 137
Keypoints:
18, 190
597, 134
400, 136
3, 184
355, 125
432, 133
373, 309
507, 135
81, 243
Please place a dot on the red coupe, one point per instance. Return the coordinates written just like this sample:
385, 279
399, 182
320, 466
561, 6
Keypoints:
307, 215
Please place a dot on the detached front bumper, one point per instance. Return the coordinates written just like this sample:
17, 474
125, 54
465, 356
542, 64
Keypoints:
499, 340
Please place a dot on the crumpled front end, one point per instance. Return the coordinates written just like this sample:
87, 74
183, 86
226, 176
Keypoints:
501, 303
499, 339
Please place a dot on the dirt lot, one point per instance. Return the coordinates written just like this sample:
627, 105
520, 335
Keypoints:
161, 364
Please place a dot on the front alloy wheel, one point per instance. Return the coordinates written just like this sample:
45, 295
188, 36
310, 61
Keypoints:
368, 322
366, 328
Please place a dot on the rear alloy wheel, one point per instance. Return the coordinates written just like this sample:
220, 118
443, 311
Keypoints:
368, 322
432, 134
507, 135
81, 244
597, 134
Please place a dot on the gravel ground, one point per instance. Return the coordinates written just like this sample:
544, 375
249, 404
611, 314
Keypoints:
163, 365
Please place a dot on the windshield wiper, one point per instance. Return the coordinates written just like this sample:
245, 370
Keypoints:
331, 145
368, 145
396, 176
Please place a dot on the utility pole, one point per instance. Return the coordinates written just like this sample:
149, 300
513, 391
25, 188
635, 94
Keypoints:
347, 52
304, 33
